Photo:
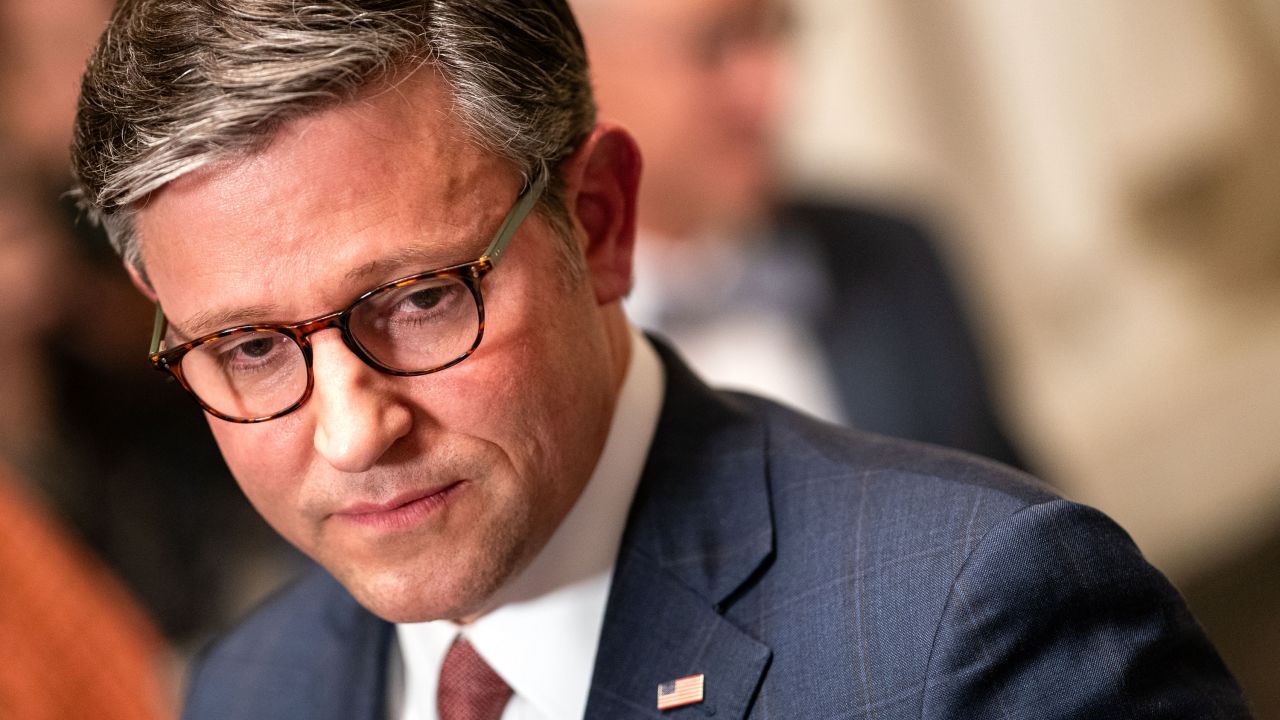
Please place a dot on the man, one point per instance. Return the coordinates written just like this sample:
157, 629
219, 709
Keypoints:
845, 312
388, 243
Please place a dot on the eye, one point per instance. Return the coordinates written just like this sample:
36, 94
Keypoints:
424, 302
257, 348
426, 298
251, 352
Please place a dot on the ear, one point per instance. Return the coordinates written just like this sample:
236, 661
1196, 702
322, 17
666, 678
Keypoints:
601, 181
140, 281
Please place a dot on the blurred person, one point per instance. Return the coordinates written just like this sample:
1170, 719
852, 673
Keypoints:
43, 46
34, 260
128, 468
845, 312
388, 244
74, 643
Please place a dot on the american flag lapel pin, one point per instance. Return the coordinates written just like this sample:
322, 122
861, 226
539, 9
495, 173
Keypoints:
678, 693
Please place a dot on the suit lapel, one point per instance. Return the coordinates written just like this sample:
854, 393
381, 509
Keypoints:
362, 663
698, 530
317, 655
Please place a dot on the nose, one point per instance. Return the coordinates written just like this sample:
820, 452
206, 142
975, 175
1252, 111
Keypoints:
358, 417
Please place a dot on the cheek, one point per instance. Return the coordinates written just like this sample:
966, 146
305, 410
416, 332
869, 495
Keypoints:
505, 395
538, 380
265, 459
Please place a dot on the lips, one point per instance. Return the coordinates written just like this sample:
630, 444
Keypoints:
400, 512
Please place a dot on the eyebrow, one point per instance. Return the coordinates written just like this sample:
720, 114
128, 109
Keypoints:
210, 321
428, 258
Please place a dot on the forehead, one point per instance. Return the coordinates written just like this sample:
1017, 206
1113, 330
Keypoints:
401, 136
389, 175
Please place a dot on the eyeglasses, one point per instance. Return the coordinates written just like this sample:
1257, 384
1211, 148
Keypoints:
416, 325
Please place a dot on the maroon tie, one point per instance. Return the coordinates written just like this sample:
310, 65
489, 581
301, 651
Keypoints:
469, 688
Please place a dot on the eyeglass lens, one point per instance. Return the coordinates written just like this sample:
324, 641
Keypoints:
413, 327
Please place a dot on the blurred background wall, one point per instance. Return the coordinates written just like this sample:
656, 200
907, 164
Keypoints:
1106, 177
1106, 180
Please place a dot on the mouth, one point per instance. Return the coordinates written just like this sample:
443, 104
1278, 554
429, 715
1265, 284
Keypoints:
400, 512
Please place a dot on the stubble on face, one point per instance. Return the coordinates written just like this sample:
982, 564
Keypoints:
444, 568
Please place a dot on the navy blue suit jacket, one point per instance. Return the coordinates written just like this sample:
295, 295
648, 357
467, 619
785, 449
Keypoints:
807, 571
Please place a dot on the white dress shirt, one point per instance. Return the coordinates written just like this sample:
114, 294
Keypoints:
542, 636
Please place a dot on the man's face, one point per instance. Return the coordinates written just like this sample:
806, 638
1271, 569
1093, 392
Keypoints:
421, 495
698, 84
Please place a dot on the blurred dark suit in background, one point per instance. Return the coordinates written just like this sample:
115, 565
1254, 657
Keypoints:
846, 312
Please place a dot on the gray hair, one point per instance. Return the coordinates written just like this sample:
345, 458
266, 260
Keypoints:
175, 85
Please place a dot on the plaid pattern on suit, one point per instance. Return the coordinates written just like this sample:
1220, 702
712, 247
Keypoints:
809, 572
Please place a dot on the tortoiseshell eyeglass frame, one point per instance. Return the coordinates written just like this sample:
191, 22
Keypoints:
170, 360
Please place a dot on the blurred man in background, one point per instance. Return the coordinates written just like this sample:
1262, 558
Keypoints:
33, 258
844, 312
126, 468
74, 642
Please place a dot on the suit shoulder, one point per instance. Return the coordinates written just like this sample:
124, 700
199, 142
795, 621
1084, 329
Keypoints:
808, 452
1054, 583
299, 608
966, 585
309, 646
834, 490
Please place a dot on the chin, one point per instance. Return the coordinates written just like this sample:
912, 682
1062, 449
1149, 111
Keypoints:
414, 600
452, 591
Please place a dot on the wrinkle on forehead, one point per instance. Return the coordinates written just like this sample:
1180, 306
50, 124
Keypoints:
411, 118
392, 166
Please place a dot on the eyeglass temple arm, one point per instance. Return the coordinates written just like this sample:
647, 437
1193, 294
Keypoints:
158, 333
527, 200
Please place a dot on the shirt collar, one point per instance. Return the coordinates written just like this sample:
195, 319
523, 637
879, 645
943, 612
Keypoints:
542, 636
